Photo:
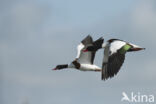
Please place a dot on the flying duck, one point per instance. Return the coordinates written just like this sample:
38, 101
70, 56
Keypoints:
114, 55
84, 60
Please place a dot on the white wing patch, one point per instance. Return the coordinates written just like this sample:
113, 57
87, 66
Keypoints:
116, 45
79, 48
83, 57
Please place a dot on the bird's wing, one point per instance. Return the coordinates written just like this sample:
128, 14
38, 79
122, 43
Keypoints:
85, 57
98, 43
113, 59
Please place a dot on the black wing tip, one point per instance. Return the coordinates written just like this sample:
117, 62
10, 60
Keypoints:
98, 43
106, 78
88, 36
87, 40
109, 75
101, 38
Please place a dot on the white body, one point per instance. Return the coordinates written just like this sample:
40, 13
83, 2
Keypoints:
89, 67
86, 67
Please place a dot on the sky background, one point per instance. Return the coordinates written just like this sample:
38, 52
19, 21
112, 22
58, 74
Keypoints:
36, 35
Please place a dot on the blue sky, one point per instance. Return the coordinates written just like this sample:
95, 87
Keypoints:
36, 35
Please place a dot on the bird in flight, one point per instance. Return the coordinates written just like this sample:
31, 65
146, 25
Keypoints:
84, 61
114, 55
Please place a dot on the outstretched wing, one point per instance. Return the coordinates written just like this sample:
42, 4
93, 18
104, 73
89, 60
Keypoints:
85, 57
113, 59
98, 43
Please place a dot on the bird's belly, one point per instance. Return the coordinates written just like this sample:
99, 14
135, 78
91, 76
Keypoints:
88, 67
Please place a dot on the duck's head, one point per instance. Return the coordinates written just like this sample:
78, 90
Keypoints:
59, 67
